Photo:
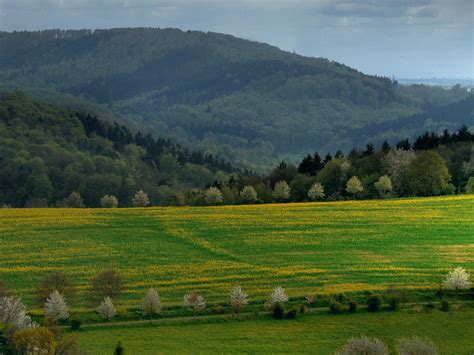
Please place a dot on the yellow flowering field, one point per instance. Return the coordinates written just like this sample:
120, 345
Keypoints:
304, 247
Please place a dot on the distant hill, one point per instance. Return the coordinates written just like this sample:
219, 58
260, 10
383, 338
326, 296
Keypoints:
246, 101
48, 152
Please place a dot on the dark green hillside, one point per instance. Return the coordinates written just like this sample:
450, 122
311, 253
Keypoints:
47, 152
246, 101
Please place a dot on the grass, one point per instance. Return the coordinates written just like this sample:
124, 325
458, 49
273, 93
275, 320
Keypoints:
306, 248
313, 333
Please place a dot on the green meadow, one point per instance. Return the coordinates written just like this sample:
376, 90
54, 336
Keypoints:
453, 332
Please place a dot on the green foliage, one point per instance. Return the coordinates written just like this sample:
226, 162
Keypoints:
445, 306
373, 303
54, 156
292, 313
336, 307
278, 310
427, 174
249, 101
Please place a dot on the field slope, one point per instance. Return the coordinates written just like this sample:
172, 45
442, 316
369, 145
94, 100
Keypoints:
306, 248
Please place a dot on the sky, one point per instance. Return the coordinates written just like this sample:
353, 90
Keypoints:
400, 38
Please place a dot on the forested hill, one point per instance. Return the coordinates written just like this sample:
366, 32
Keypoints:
48, 152
247, 101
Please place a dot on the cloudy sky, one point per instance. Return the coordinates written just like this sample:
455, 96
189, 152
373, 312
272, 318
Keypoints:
404, 38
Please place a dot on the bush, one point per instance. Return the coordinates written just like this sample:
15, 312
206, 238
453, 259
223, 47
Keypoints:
278, 310
364, 346
119, 350
218, 309
107, 283
303, 309
73, 201
373, 303
36, 340
213, 196
56, 281
445, 306
335, 307
140, 199
292, 313
76, 324
352, 306
416, 346
248, 194
393, 302
109, 201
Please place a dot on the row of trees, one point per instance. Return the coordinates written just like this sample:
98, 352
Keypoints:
17, 328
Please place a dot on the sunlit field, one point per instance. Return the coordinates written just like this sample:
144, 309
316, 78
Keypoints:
306, 248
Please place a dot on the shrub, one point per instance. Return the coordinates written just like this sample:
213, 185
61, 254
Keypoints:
238, 299
106, 309
194, 301
281, 192
384, 186
140, 199
34, 341
278, 295
13, 312
354, 186
335, 307
218, 309
352, 306
76, 324
303, 309
292, 313
57, 281
445, 305
373, 303
109, 201
364, 346
393, 302
416, 346
55, 307
74, 200
316, 191
278, 310
213, 196
119, 350
151, 303
248, 194
458, 279
107, 283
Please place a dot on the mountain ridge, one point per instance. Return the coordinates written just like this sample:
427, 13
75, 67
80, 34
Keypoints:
247, 101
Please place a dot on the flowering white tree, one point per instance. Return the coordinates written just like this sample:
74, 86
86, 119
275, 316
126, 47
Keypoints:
106, 309
151, 303
281, 191
364, 345
248, 194
416, 346
278, 295
13, 314
194, 301
213, 196
109, 201
458, 279
384, 186
238, 299
316, 191
140, 199
354, 186
55, 307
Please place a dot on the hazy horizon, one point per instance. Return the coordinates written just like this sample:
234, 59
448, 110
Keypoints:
420, 39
